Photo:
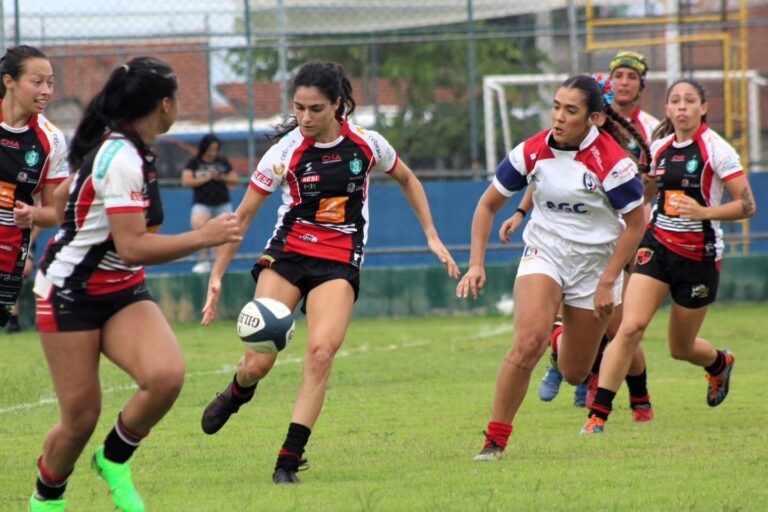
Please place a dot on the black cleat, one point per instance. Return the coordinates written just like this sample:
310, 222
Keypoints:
285, 476
218, 411
285, 471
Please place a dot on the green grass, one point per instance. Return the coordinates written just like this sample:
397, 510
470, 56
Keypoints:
405, 408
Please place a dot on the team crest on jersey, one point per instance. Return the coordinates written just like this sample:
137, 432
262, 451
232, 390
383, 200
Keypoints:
692, 165
699, 291
643, 256
529, 253
589, 183
356, 166
31, 158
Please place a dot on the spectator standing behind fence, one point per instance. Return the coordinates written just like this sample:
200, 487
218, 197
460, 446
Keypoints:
587, 221
682, 249
92, 298
33, 161
322, 164
211, 176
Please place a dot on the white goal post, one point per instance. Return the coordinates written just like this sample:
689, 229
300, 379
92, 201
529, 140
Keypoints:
495, 99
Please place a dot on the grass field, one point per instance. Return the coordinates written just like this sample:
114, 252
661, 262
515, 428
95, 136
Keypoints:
404, 415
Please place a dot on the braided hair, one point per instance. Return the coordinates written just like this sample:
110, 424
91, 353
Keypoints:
331, 80
598, 94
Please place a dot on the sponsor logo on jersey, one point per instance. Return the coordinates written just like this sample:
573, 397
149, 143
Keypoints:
678, 158
9, 143
643, 256
7, 194
626, 171
579, 208
22, 177
692, 165
265, 180
314, 178
589, 183
331, 159
279, 169
699, 291
31, 158
308, 167
356, 166
306, 237
596, 153
332, 210
350, 188
137, 196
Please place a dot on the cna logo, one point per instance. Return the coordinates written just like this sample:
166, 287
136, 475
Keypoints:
9, 143
579, 208
331, 159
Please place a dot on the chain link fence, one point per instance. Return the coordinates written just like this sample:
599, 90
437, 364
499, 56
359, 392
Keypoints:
416, 67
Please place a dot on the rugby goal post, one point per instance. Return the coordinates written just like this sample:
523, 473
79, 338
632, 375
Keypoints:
497, 88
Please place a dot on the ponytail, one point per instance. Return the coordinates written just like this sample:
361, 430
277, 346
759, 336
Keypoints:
132, 91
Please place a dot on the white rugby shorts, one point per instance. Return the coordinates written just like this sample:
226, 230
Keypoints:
576, 267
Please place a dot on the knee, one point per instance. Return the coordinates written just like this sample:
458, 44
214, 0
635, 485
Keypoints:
80, 422
630, 332
574, 377
679, 353
529, 347
166, 384
319, 359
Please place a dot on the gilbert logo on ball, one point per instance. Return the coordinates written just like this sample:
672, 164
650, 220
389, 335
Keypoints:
265, 325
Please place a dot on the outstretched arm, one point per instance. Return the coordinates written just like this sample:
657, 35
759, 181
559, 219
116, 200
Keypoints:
489, 205
414, 192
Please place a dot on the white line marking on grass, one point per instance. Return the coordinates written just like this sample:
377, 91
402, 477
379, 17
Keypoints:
227, 368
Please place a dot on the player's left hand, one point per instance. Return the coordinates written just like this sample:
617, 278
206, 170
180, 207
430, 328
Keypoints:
690, 209
23, 214
604, 301
437, 247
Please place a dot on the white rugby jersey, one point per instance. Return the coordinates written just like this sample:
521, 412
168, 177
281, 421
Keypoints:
645, 124
578, 194
698, 168
114, 178
325, 191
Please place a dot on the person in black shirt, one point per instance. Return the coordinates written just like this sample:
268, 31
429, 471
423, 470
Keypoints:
211, 176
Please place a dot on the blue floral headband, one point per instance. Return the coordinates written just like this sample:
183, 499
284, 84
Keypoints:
606, 85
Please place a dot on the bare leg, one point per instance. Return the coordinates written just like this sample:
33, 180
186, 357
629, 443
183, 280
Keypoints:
537, 298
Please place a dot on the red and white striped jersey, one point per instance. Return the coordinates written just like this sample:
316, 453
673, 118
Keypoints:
114, 178
325, 191
698, 168
30, 157
577, 193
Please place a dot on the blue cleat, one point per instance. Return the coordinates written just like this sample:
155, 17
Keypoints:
550, 384
580, 396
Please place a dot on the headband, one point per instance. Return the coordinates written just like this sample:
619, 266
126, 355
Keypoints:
606, 87
631, 60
